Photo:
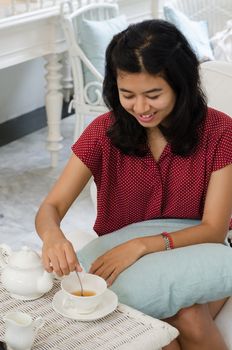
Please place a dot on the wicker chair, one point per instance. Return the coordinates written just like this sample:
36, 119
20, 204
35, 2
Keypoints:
84, 103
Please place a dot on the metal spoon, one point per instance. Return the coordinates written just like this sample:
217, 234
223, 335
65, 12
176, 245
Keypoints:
82, 292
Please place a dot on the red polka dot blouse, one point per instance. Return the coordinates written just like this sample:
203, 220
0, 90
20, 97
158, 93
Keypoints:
133, 189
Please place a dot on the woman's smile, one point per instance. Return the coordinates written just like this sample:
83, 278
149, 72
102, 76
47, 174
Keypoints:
146, 118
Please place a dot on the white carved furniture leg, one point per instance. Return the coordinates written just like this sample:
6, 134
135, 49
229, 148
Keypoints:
67, 80
53, 103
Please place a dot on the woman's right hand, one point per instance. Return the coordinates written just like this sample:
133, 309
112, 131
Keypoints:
58, 256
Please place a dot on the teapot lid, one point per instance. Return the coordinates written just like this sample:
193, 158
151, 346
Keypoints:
25, 258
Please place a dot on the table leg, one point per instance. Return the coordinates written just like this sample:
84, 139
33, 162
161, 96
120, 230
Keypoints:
53, 104
67, 80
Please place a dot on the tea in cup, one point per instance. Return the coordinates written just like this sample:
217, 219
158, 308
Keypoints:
93, 292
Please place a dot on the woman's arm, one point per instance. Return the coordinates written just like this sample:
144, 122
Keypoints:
57, 252
216, 217
213, 228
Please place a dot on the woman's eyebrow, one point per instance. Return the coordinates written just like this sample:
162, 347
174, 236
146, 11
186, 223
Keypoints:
145, 92
153, 90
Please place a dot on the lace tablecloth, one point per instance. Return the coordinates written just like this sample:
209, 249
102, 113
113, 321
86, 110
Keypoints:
124, 328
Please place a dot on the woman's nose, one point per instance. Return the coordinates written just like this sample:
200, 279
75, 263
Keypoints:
141, 106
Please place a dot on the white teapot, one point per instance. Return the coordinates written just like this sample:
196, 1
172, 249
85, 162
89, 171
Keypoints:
23, 274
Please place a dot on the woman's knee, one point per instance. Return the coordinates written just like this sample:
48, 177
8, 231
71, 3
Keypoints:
193, 322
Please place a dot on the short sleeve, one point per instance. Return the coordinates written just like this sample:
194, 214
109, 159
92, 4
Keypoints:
223, 150
88, 146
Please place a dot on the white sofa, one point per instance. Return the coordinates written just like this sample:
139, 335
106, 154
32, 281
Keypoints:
217, 80
215, 12
217, 83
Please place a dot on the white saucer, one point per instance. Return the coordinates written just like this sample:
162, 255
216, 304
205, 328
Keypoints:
107, 306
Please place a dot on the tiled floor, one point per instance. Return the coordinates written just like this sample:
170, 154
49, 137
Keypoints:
25, 179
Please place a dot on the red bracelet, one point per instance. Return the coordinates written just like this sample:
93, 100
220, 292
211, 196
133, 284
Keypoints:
169, 244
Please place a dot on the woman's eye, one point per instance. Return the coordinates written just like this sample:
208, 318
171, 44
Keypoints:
153, 97
128, 97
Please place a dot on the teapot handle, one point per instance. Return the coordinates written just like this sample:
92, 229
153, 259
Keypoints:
5, 251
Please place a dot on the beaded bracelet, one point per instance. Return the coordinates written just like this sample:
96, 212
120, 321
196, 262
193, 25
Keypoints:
167, 240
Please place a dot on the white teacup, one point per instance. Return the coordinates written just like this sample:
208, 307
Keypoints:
93, 287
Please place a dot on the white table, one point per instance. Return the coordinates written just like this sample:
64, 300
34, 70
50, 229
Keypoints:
32, 35
123, 329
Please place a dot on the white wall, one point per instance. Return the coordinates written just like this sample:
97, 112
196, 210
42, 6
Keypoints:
21, 89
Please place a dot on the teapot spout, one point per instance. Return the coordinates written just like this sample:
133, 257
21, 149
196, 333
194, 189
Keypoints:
45, 282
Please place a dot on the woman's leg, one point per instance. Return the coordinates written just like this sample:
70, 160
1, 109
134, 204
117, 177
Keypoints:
197, 328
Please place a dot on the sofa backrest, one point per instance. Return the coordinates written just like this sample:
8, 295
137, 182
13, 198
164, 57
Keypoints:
215, 12
217, 82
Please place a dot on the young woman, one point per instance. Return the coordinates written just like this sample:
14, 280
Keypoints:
159, 153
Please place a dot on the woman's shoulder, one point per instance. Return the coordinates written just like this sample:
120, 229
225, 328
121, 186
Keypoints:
217, 122
96, 130
93, 142
217, 118
102, 122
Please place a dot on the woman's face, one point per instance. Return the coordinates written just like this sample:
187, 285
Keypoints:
149, 98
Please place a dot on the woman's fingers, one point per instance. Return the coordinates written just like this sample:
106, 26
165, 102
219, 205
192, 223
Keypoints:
62, 265
117, 259
104, 271
108, 272
47, 263
60, 258
106, 268
97, 264
72, 260
112, 277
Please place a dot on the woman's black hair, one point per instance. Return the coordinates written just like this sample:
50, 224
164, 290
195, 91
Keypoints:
156, 47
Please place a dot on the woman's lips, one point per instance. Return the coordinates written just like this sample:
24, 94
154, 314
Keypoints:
146, 118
